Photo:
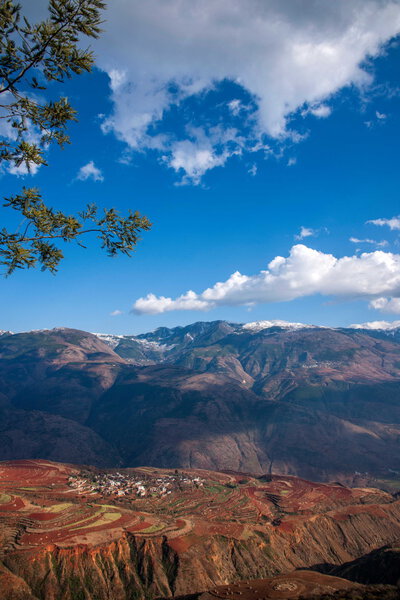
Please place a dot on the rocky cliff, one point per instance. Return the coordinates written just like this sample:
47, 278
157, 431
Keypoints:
132, 567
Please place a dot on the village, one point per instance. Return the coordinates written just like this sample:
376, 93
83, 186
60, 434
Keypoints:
138, 485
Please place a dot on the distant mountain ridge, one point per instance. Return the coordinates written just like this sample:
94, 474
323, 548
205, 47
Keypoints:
384, 328
181, 345
165, 339
309, 401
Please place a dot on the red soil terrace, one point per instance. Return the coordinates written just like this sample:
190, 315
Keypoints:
43, 508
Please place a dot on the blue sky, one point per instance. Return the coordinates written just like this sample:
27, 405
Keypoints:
230, 174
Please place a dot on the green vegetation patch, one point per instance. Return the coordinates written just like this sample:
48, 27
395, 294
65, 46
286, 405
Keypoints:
154, 528
108, 517
247, 534
217, 488
5, 498
58, 507
105, 518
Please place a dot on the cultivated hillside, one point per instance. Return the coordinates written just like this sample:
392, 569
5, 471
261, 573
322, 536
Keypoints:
70, 532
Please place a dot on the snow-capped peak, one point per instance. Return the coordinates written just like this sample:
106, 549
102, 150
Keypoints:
110, 339
113, 340
260, 325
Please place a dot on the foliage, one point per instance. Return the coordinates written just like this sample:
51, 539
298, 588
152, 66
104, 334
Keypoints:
31, 56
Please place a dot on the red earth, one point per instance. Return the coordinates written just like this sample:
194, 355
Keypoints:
227, 525
44, 509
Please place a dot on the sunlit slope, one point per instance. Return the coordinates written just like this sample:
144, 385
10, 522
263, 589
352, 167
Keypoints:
314, 402
78, 530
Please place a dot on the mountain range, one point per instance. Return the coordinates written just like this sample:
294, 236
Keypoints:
264, 397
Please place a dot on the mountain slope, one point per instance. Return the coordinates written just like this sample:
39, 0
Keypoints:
379, 566
307, 401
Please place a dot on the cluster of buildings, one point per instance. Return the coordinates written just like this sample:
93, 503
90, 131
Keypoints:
137, 485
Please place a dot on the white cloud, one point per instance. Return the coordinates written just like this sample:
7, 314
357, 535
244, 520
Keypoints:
379, 119
235, 106
374, 325
253, 170
203, 150
380, 244
286, 55
393, 223
304, 272
322, 111
152, 304
305, 232
291, 162
387, 305
90, 171
116, 313
9, 134
23, 169
193, 159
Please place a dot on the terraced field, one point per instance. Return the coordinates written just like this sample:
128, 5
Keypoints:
38, 507
64, 535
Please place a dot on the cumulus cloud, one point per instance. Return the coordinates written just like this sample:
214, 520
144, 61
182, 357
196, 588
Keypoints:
116, 313
90, 171
304, 272
285, 55
393, 223
203, 150
387, 305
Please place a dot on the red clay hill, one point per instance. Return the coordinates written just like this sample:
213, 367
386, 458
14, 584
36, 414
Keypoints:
79, 532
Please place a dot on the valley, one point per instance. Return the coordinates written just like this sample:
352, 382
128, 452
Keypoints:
268, 449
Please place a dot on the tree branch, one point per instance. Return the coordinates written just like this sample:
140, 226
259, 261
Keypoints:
39, 55
53, 237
